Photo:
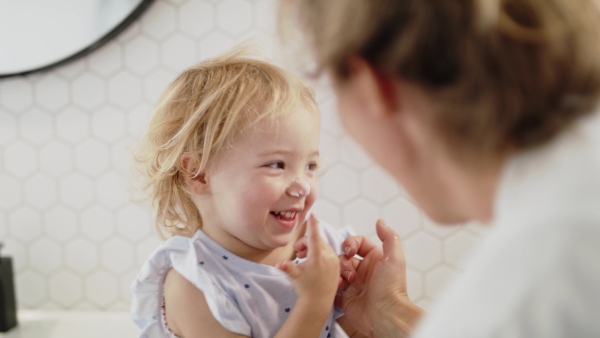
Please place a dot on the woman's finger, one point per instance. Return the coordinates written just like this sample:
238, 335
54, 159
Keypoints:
392, 246
348, 267
358, 245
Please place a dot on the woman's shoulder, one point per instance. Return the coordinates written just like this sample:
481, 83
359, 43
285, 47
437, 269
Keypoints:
518, 283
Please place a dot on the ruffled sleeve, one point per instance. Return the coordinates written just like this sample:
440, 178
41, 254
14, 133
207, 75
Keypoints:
181, 254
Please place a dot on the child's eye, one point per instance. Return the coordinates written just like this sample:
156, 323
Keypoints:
312, 166
276, 165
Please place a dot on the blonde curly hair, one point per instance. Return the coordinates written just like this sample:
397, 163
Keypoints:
200, 113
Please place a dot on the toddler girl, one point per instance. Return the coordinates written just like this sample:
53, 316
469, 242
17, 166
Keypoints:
230, 158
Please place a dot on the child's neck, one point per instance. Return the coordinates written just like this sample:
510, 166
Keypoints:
271, 257
241, 249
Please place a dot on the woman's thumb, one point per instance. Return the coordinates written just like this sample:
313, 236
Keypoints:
392, 247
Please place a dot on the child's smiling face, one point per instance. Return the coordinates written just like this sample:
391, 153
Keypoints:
265, 185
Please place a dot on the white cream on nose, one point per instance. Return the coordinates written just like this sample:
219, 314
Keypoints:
298, 187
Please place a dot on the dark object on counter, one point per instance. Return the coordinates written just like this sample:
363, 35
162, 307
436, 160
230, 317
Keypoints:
8, 306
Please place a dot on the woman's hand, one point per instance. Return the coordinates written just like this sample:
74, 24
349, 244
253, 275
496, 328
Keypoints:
374, 294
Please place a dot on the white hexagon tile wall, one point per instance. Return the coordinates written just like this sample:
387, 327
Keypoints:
67, 214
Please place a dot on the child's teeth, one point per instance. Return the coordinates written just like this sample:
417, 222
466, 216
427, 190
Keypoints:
285, 214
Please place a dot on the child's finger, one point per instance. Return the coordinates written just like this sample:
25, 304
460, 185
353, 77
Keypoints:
301, 247
289, 268
314, 238
301, 244
302, 254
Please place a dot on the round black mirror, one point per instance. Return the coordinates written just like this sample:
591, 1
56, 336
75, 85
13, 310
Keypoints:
40, 34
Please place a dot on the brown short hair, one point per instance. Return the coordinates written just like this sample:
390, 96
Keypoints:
504, 75
201, 113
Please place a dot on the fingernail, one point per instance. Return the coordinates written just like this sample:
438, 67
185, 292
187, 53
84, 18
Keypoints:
349, 248
347, 275
346, 249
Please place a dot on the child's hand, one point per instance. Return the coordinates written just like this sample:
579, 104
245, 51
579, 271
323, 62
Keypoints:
317, 278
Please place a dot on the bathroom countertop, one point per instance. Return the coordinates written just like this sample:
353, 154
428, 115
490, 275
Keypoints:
62, 324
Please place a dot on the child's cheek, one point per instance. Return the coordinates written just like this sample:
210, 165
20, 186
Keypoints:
314, 190
250, 197
314, 193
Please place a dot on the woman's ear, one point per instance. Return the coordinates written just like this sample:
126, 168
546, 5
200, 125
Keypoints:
378, 92
197, 183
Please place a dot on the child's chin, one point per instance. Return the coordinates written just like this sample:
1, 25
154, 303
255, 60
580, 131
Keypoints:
281, 241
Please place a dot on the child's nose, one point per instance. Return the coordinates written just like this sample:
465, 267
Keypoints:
298, 187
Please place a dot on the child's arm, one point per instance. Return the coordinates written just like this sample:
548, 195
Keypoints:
316, 282
187, 312
189, 316
302, 250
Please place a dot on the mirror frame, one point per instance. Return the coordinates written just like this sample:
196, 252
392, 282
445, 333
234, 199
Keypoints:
134, 15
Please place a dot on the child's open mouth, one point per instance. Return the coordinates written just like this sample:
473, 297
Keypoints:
287, 216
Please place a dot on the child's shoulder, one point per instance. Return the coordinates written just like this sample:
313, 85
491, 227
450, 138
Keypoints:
176, 245
165, 256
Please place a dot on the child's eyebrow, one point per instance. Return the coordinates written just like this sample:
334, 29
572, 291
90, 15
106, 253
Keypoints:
275, 152
284, 152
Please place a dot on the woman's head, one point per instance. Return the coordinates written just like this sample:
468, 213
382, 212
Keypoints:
198, 119
490, 77
504, 74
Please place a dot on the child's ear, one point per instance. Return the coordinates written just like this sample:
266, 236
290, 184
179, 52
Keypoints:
197, 183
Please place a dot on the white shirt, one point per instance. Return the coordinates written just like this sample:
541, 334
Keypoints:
537, 274
245, 297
